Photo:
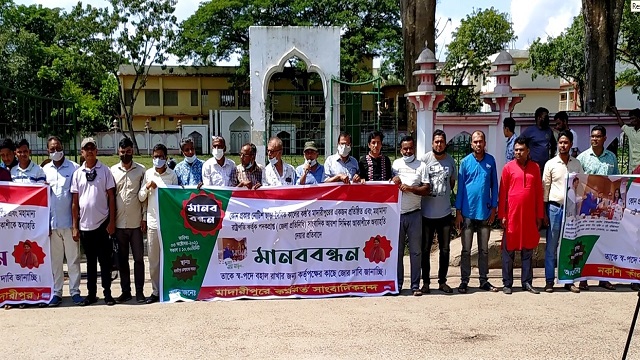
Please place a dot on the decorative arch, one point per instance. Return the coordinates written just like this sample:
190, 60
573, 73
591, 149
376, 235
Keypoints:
279, 67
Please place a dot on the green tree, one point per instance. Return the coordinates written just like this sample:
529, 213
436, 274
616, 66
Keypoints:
480, 35
219, 29
629, 50
562, 56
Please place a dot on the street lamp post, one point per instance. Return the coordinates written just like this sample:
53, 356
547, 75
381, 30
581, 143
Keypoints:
115, 135
147, 128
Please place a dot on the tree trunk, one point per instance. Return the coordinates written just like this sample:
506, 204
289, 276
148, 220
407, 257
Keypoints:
602, 25
418, 27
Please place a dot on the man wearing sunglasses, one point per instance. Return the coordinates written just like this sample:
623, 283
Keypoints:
94, 218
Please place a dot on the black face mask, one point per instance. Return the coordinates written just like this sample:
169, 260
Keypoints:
439, 152
126, 159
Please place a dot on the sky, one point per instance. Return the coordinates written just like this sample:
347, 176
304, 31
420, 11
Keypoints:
531, 18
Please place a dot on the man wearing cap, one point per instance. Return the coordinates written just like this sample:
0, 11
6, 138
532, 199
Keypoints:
94, 219
311, 172
59, 173
217, 170
342, 167
26, 172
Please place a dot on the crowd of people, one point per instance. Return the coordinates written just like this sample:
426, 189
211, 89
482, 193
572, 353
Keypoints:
91, 202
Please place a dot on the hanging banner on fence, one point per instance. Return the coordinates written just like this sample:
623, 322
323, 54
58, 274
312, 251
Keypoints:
312, 241
25, 261
601, 230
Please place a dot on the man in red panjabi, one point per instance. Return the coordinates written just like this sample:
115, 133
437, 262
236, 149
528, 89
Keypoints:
521, 210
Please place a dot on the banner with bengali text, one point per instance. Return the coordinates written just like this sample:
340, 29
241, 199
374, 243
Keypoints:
600, 236
25, 262
286, 242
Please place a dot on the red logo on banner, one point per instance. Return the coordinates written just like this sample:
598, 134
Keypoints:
28, 254
377, 249
202, 214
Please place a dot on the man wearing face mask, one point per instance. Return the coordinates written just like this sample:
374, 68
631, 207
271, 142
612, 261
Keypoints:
59, 173
410, 174
277, 172
159, 176
375, 166
248, 174
189, 171
342, 167
311, 172
541, 139
436, 210
217, 170
130, 220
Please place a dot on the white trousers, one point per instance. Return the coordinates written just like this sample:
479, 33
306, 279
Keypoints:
62, 245
153, 241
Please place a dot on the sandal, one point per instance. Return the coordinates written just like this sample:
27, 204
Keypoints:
417, 292
488, 287
462, 289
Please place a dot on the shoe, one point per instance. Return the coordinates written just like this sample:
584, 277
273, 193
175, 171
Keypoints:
574, 289
531, 289
635, 287
89, 300
488, 287
606, 285
77, 299
126, 296
548, 288
445, 288
110, 301
425, 289
55, 301
152, 299
583, 286
462, 289
140, 299
507, 290
417, 292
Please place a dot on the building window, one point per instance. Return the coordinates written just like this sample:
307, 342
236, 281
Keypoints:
245, 98
170, 119
205, 97
152, 98
127, 97
563, 96
170, 98
228, 98
194, 97
153, 119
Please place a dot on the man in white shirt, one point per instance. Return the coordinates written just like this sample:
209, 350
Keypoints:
130, 216
277, 172
159, 176
94, 219
26, 172
410, 174
217, 171
59, 173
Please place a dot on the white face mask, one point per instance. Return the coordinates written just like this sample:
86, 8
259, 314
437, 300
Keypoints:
217, 153
191, 159
56, 156
248, 166
273, 161
409, 159
159, 163
312, 162
344, 150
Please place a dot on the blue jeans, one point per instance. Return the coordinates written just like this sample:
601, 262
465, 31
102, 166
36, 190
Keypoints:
553, 237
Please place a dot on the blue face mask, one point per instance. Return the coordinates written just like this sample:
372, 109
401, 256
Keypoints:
158, 163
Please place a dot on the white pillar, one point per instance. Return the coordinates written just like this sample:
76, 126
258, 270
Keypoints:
424, 131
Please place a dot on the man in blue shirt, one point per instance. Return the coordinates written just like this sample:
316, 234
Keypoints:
508, 129
189, 170
541, 140
311, 172
476, 204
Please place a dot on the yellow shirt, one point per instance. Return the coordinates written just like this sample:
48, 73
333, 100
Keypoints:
129, 210
554, 178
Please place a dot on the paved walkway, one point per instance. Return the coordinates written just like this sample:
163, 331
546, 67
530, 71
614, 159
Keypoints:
479, 325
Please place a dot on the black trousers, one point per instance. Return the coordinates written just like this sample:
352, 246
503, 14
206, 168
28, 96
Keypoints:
98, 249
131, 238
441, 227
